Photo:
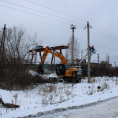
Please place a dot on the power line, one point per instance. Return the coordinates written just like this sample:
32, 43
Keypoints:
102, 36
39, 11
65, 14
53, 9
36, 14
107, 34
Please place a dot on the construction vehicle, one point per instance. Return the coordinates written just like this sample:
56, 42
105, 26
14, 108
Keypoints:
70, 74
62, 70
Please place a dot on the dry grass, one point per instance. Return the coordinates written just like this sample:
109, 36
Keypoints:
68, 92
89, 86
91, 90
15, 96
102, 89
45, 102
52, 92
92, 80
105, 85
116, 82
49, 88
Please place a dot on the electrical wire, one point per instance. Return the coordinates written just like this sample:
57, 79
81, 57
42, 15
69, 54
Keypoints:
66, 14
104, 37
40, 11
49, 14
107, 35
54, 15
35, 14
53, 9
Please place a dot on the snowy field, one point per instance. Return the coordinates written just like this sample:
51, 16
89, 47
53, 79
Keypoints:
46, 97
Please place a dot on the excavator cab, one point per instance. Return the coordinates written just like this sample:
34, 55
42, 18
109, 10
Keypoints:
68, 74
60, 69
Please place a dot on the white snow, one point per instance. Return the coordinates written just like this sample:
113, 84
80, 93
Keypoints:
106, 109
49, 96
33, 72
53, 75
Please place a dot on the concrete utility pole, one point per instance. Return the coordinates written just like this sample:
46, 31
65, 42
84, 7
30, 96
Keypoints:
81, 54
72, 51
114, 64
88, 26
108, 59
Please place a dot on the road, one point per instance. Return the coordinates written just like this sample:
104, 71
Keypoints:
107, 109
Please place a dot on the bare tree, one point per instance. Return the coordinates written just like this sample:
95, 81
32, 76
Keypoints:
75, 50
16, 54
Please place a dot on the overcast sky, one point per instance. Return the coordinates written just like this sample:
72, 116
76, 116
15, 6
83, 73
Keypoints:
51, 20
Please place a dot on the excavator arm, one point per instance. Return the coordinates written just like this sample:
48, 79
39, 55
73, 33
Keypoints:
48, 50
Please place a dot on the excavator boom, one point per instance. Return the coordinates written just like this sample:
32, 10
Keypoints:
48, 50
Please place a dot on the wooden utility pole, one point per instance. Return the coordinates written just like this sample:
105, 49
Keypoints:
2, 50
3, 37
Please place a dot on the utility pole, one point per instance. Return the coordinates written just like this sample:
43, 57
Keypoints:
35, 60
108, 59
98, 58
81, 54
3, 37
114, 64
88, 53
88, 26
108, 62
72, 51
2, 50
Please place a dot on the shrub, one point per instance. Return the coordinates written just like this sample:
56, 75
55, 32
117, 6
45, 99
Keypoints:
14, 54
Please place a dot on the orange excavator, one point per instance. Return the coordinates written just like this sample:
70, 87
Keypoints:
62, 70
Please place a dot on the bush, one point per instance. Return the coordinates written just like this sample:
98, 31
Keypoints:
14, 54
23, 81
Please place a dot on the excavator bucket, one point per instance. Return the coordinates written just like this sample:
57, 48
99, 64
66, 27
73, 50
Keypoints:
40, 70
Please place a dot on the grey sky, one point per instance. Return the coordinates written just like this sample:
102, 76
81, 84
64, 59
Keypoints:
53, 31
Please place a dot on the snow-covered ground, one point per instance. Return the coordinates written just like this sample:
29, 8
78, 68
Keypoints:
106, 109
46, 97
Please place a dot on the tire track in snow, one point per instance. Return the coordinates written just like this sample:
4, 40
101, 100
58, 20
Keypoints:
52, 112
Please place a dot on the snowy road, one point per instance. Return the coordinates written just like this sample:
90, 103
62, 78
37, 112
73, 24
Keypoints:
107, 109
